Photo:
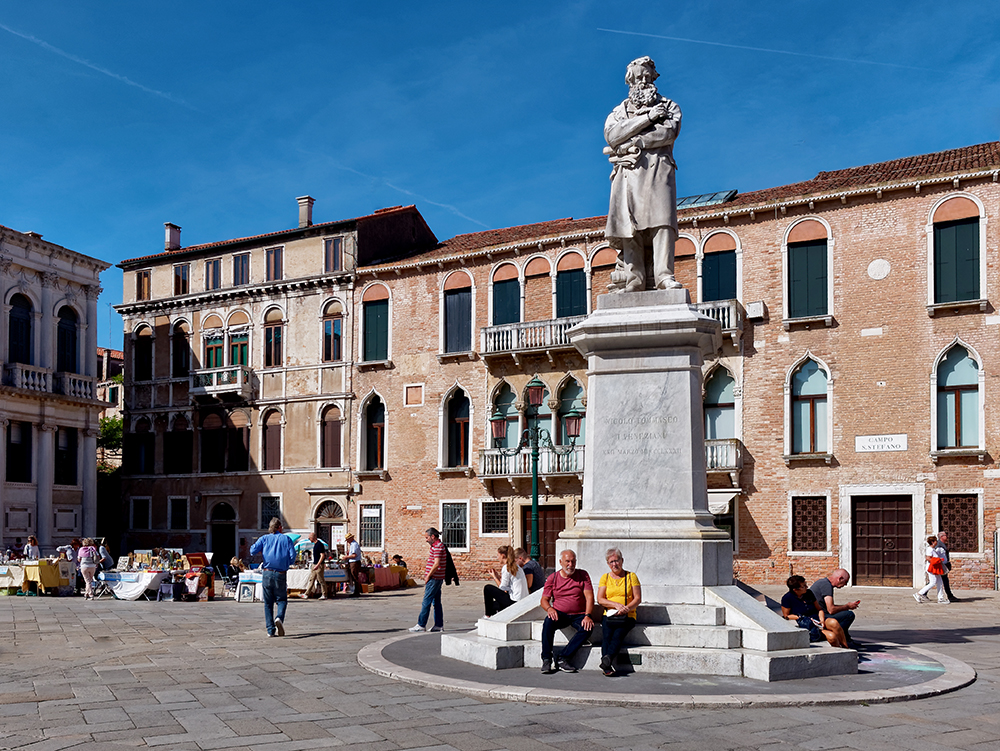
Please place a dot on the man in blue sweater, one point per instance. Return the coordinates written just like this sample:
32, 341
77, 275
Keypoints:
279, 553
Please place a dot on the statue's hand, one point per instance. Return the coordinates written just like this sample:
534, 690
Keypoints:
659, 113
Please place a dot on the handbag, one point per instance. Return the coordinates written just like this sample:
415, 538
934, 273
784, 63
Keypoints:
934, 566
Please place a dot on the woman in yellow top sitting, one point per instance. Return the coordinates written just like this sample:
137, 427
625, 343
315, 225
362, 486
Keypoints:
620, 594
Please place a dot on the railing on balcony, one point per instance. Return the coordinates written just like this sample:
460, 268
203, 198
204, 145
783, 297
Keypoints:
530, 335
29, 377
729, 313
72, 384
495, 464
723, 455
235, 380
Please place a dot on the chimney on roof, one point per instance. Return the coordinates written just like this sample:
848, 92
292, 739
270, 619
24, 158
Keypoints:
172, 237
305, 210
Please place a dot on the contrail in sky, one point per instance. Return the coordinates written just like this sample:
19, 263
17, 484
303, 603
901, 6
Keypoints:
69, 56
447, 206
763, 49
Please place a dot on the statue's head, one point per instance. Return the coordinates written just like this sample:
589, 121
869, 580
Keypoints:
641, 68
640, 76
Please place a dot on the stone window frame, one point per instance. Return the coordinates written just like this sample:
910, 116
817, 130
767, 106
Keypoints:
983, 252
980, 450
468, 522
444, 431
261, 525
443, 290
363, 323
482, 516
827, 318
587, 279
218, 274
361, 456
519, 269
143, 285
181, 278
382, 520
936, 516
827, 456
699, 257
798, 493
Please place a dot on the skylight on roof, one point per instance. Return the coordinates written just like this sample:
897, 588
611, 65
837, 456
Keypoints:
706, 199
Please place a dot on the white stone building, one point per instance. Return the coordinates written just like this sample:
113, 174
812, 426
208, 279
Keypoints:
48, 405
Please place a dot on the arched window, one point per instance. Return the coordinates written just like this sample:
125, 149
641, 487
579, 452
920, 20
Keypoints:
720, 406
140, 449
458, 313
180, 345
19, 330
142, 354
272, 339
458, 429
807, 259
718, 268
214, 344
375, 320
330, 438
956, 265
809, 409
504, 404
239, 338
333, 323
958, 400
272, 441
177, 448
66, 340
570, 399
543, 415
374, 434
571, 286
506, 295
213, 443
538, 289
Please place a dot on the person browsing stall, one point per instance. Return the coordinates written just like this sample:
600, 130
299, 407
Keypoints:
317, 570
352, 562
279, 553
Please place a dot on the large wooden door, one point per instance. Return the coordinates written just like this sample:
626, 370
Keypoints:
551, 521
883, 540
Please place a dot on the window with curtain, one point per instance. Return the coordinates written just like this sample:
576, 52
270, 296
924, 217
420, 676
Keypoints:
458, 429
809, 409
958, 400
720, 406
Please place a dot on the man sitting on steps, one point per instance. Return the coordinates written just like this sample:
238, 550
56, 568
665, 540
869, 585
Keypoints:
567, 599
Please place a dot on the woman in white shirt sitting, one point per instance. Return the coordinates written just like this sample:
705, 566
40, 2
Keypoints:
510, 585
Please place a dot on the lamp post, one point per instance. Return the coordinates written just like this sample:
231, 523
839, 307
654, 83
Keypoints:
533, 437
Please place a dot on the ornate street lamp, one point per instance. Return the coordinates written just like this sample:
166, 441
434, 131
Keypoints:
533, 437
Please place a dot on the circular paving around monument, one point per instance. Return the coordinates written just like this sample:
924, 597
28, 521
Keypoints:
888, 673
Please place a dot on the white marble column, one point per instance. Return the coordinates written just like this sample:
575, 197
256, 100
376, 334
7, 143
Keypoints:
44, 480
46, 328
89, 458
89, 358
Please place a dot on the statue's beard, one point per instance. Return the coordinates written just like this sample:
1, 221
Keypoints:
643, 94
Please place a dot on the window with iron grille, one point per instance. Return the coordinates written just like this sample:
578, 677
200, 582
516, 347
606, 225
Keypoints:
809, 523
270, 507
959, 517
370, 527
455, 525
493, 517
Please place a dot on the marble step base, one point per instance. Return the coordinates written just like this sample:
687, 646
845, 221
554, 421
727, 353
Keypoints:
814, 661
658, 635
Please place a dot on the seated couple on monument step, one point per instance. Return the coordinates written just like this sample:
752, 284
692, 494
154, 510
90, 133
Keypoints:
568, 600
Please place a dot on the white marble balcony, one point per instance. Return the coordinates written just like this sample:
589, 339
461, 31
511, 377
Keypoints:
495, 464
75, 385
729, 313
515, 339
28, 377
232, 383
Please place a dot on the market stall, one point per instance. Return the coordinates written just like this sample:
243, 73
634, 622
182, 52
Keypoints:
249, 587
131, 585
49, 576
11, 577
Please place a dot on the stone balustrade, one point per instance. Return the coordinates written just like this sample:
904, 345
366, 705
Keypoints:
528, 335
495, 464
28, 377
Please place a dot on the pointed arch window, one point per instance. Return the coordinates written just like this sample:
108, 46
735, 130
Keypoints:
19, 330
504, 404
66, 340
958, 400
180, 344
272, 441
333, 326
375, 434
720, 406
273, 330
142, 354
809, 409
458, 429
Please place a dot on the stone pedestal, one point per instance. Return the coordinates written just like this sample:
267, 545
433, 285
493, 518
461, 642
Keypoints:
644, 485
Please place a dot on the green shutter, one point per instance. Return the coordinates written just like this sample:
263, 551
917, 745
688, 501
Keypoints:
506, 302
956, 261
571, 293
376, 330
718, 276
807, 280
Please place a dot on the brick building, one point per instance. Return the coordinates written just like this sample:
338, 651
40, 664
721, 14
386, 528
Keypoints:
847, 416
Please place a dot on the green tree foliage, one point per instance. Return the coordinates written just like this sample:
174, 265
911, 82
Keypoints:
110, 437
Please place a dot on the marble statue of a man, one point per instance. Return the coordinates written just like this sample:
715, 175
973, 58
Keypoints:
640, 133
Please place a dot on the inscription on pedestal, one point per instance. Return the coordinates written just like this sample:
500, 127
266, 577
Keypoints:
638, 435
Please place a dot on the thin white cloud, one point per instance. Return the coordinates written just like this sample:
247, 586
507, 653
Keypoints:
763, 49
86, 63
404, 191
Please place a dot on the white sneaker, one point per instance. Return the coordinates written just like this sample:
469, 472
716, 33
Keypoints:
436, 628
416, 629
279, 627
944, 602
919, 597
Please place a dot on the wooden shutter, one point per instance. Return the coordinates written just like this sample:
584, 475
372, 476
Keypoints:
458, 320
506, 302
571, 293
718, 276
956, 260
331, 439
376, 314
807, 279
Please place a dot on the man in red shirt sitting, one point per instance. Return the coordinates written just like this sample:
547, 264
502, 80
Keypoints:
567, 598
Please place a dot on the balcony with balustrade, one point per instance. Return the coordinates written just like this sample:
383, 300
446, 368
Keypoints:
516, 340
494, 465
729, 313
231, 385
725, 456
27, 377
76, 385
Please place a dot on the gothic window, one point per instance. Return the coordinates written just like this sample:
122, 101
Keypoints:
458, 429
330, 439
957, 400
374, 434
720, 406
809, 409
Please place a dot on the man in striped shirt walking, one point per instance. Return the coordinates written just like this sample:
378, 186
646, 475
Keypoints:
434, 576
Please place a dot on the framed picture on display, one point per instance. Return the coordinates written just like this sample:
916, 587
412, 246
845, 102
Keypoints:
244, 593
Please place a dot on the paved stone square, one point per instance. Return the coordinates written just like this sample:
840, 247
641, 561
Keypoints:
204, 676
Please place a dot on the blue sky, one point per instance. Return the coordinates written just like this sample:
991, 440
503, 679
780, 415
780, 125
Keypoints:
120, 116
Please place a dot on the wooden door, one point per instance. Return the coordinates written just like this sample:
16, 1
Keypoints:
883, 540
551, 521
